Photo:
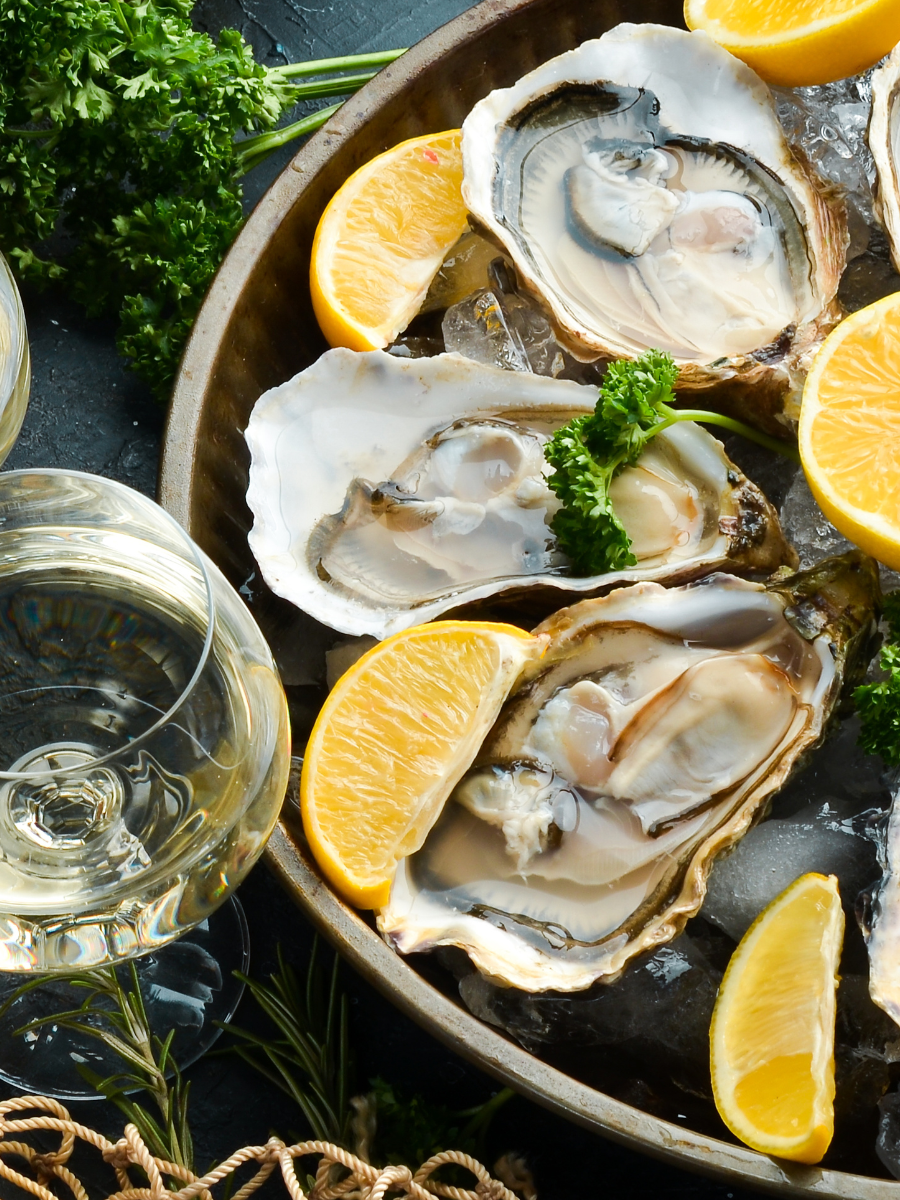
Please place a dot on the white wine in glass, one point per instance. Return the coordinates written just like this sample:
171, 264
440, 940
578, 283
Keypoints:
144, 742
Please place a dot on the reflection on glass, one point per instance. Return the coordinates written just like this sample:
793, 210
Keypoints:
144, 743
15, 361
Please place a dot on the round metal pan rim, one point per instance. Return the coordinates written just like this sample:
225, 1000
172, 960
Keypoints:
191, 478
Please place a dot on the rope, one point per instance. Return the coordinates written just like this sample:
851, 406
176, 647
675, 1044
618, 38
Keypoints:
339, 1173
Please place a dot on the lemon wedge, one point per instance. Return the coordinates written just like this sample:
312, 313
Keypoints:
799, 42
850, 429
772, 1032
393, 739
382, 239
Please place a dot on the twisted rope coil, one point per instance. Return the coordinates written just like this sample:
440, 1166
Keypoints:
364, 1182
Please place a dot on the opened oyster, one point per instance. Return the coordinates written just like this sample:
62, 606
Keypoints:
644, 743
884, 142
386, 491
644, 190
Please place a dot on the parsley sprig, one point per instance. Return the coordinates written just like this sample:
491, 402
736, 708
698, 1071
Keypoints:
124, 134
587, 453
878, 704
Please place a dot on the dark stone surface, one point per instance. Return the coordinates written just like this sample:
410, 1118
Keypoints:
88, 412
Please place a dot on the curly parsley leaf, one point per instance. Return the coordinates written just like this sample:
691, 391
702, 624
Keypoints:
586, 528
124, 133
630, 405
878, 704
587, 453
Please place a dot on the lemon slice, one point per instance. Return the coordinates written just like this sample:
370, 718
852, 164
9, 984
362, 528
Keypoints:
393, 739
382, 239
850, 429
800, 42
772, 1033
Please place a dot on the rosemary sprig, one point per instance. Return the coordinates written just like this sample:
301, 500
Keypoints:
114, 1014
310, 1060
410, 1129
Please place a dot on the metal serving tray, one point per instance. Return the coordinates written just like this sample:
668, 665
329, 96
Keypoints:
255, 330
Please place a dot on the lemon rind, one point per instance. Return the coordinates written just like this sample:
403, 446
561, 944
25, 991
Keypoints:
338, 324
810, 1145
871, 531
517, 649
726, 37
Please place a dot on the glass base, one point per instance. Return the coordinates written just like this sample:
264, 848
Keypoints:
187, 986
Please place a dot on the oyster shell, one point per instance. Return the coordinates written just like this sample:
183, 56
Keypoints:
884, 143
644, 190
386, 491
649, 737
880, 915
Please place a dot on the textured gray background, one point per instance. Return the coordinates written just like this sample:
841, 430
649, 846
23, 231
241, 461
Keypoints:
88, 412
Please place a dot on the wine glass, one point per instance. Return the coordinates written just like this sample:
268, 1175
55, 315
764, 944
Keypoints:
15, 361
144, 741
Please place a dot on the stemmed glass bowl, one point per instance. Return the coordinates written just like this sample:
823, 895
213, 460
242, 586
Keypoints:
144, 743
15, 361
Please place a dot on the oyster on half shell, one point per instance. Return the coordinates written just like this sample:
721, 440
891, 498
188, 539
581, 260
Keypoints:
652, 733
884, 143
386, 491
644, 189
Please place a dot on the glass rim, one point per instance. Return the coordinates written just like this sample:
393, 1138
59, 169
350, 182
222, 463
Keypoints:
198, 557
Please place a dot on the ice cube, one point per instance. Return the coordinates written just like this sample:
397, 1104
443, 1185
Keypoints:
839, 772
343, 654
860, 1083
862, 1025
828, 124
811, 533
870, 276
772, 473
807, 527
658, 1012
477, 328
887, 1146
463, 272
504, 328
832, 838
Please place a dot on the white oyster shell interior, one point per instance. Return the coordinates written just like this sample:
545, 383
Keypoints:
644, 188
385, 491
610, 779
884, 143
882, 937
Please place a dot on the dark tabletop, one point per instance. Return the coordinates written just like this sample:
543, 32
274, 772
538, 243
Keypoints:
88, 412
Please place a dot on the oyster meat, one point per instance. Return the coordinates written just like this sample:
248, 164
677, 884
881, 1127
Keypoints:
644, 743
386, 491
643, 187
884, 143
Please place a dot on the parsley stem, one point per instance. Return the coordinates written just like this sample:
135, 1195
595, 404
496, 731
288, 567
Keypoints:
251, 151
348, 62
29, 133
122, 20
339, 86
673, 415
